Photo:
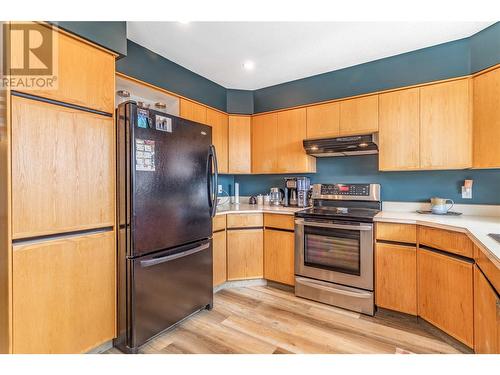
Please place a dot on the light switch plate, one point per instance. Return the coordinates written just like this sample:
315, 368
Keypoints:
466, 193
219, 189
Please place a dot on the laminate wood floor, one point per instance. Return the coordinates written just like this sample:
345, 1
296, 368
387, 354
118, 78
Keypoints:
267, 320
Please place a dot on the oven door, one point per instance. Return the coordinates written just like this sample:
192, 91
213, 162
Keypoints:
336, 252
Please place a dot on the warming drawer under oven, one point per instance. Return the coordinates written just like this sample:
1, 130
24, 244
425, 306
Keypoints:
334, 262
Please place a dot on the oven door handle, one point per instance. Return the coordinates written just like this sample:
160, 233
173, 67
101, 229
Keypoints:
335, 226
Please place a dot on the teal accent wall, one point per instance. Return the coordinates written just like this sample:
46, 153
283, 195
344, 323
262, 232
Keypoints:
143, 64
239, 102
485, 48
416, 186
108, 34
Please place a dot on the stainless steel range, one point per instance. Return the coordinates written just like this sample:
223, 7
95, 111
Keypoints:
334, 246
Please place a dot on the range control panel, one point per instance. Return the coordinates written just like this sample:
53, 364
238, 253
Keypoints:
347, 191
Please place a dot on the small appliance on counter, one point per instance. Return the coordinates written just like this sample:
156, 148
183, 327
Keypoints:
276, 196
297, 191
334, 246
439, 206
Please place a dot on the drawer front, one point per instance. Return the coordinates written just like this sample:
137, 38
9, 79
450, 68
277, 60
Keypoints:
396, 232
219, 223
244, 220
279, 221
452, 242
64, 294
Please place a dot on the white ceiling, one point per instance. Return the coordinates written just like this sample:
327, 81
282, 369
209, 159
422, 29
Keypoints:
285, 51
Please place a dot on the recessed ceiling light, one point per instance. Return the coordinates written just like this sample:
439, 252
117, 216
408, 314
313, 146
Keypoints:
184, 22
248, 65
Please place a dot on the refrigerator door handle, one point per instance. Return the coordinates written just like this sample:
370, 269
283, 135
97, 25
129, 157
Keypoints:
213, 181
168, 258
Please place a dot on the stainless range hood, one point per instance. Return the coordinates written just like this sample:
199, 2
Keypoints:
342, 146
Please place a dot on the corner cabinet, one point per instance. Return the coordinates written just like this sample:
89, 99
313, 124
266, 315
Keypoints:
192, 111
445, 293
239, 144
264, 143
486, 315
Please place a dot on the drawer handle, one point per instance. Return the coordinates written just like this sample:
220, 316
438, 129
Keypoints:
334, 290
168, 258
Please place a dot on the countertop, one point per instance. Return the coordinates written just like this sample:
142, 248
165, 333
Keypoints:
477, 227
245, 208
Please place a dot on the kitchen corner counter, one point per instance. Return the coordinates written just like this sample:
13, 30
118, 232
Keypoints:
477, 227
245, 208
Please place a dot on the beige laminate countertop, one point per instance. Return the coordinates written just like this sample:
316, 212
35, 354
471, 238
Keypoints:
245, 208
477, 227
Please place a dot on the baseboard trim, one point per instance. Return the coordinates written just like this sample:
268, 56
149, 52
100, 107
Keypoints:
101, 348
240, 284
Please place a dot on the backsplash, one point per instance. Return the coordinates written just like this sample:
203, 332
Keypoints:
416, 186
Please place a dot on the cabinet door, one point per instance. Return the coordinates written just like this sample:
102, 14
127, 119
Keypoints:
396, 277
445, 294
63, 169
323, 120
240, 144
218, 122
85, 75
219, 255
292, 157
245, 254
279, 256
446, 126
487, 120
264, 143
486, 316
192, 111
359, 116
399, 122
64, 294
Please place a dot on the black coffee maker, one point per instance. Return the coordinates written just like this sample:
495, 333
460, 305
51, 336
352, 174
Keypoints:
296, 191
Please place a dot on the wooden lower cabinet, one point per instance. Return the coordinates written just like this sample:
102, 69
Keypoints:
64, 294
486, 316
219, 257
245, 254
445, 293
279, 256
396, 277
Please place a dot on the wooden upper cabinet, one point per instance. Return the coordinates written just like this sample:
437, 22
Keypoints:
63, 169
486, 316
240, 133
445, 294
192, 111
399, 122
445, 125
487, 120
264, 143
290, 152
359, 115
64, 294
85, 75
323, 120
218, 121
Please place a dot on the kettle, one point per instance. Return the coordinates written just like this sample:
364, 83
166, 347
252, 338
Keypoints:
276, 196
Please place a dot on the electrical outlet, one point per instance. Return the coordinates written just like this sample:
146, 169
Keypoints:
466, 192
219, 189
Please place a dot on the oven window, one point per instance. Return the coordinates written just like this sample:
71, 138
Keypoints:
332, 249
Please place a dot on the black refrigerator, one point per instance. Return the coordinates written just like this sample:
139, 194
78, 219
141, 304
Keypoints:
166, 198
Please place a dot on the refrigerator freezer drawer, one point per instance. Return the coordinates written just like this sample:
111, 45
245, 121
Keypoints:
166, 288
